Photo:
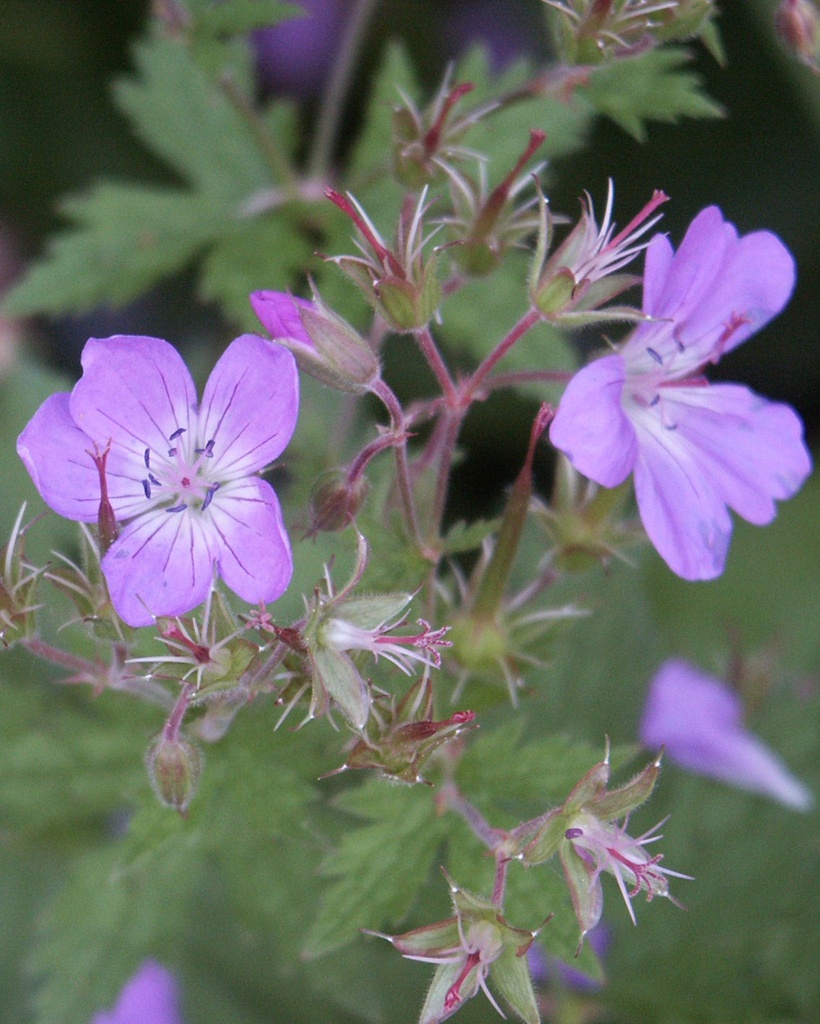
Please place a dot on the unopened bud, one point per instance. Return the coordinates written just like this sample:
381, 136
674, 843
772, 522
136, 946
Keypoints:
798, 25
174, 768
335, 501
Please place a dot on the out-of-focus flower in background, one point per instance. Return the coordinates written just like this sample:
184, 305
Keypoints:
150, 996
699, 721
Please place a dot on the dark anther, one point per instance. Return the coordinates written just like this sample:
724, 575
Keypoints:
209, 496
177, 508
177, 433
208, 450
172, 452
147, 457
574, 833
154, 480
654, 355
655, 400
146, 486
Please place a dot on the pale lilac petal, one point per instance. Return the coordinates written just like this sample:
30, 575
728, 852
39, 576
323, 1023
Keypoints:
254, 551
714, 293
751, 450
135, 391
278, 313
698, 720
250, 406
685, 518
150, 997
591, 427
161, 564
55, 452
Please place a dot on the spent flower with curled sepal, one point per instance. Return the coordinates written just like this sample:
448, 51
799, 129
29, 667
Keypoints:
486, 223
573, 284
397, 740
587, 835
182, 476
592, 31
210, 648
18, 583
427, 143
474, 945
400, 283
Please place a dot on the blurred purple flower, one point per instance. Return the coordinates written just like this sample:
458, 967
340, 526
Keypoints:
294, 57
550, 970
507, 30
150, 997
694, 448
698, 719
183, 477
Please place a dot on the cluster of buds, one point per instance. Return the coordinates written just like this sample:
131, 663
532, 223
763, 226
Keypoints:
399, 283
586, 834
592, 31
475, 944
18, 582
570, 285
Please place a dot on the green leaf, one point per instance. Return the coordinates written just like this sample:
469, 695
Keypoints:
378, 868
467, 537
190, 122
126, 238
649, 87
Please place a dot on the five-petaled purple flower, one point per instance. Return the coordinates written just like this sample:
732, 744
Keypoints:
149, 997
182, 477
694, 448
699, 720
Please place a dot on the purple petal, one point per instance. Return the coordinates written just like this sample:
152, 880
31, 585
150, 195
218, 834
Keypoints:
250, 406
591, 427
55, 452
701, 449
161, 564
279, 314
685, 518
135, 391
698, 719
752, 450
254, 551
150, 997
714, 293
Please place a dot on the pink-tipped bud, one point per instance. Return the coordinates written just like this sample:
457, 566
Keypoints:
798, 25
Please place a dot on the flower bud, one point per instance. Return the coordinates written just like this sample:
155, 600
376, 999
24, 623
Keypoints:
335, 501
174, 768
798, 25
18, 582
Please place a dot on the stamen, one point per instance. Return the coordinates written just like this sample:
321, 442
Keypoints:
146, 486
208, 450
177, 433
574, 833
147, 457
154, 480
177, 508
209, 496
655, 400
654, 355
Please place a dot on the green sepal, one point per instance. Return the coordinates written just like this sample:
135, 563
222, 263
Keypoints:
344, 683
510, 974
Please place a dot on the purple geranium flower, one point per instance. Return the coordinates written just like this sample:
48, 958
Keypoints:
182, 476
699, 720
149, 997
694, 448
